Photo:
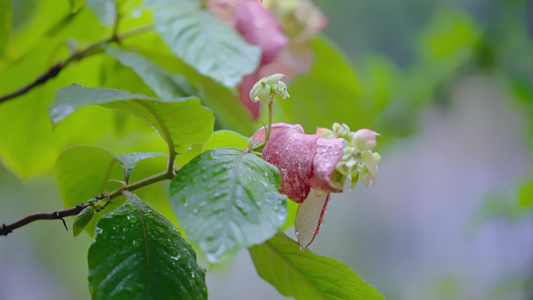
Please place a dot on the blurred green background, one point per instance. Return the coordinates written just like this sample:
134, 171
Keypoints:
447, 84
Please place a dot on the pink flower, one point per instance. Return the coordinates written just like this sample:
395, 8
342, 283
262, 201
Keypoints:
281, 28
314, 165
306, 163
259, 27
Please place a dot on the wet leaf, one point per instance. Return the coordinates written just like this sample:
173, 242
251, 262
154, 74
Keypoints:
305, 275
219, 138
180, 121
82, 220
83, 172
138, 254
227, 200
161, 81
206, 43
129, 160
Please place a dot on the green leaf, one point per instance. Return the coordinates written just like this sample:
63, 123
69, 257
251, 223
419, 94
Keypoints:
129, 160
138, 254
525, 197
5, 25
229, 111
162, 82
76, 4
330, 93
219, 138
226, 200
180, 121
206, 43
82, 220
305, 275
83, 172
104, 10
225, 138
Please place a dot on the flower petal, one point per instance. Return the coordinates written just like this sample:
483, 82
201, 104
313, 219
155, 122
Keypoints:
292, 153
328, 154
258, 26
369, 161
364, 139
310, 216
259, 135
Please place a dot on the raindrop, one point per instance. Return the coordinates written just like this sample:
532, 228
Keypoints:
177, 257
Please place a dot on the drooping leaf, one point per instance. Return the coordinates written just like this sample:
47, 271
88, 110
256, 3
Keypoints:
5, 25
138, 254
104, 10
226, 200
204, 42
82, 220
162, 82
129, 160
180, 121
305, 275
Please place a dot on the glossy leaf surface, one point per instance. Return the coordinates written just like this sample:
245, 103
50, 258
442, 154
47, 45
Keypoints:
138, 254
206, 43
129, 160
180, 121
305, 275
227, 200
161, 81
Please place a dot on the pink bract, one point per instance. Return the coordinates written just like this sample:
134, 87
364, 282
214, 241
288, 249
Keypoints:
304, 161
259, 27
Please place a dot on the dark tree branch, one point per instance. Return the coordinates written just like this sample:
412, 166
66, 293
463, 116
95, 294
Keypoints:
72, 211
53, 215
76, 56
51, 73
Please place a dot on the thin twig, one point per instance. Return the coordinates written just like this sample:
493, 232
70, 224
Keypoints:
76, 56
53, 215
72, 211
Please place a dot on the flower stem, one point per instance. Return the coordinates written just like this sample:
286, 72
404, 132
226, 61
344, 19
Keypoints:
270, 109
